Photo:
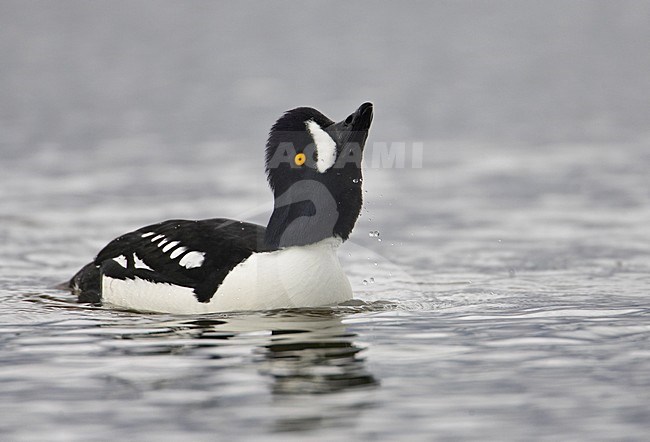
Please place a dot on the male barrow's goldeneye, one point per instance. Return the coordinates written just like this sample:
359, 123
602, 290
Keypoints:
217, 265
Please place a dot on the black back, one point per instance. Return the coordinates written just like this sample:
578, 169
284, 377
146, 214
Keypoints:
224, 243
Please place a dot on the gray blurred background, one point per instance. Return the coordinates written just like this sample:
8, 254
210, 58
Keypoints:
73, 73
516, 259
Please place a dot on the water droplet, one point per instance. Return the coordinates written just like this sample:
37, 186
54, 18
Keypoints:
374, 234
365, 282
375, 264
372, 280
355, 181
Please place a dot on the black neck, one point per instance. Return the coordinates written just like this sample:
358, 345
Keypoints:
309, 212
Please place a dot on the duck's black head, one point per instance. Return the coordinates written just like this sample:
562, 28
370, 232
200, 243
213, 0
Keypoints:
314, 169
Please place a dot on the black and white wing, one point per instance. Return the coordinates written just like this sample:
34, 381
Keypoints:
194, 254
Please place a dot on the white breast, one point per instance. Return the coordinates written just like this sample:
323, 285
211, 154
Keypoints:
305, 276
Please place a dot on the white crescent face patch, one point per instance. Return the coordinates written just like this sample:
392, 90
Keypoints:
325, 146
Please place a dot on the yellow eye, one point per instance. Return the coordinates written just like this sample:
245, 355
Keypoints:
300, 159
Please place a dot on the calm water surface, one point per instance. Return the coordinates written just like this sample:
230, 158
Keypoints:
486, 310
504, 297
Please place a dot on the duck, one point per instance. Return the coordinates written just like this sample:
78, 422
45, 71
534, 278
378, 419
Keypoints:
313, 167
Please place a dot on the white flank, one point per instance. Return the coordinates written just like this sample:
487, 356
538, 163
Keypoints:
303, 276
121, 260
142, 295
169, 246
306, 276
146, 235
192, 260
325, 146
140, 264
177, 252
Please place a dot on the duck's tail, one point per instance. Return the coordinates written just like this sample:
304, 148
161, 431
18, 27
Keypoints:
85, 284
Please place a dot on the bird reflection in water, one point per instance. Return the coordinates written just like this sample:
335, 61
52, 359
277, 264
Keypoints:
305, 351
304, 355
316, 355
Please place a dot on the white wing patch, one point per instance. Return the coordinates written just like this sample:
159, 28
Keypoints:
169, 246
147, 234
140, 264
192, 260
179, 251
157, 237
325, 146
121, 260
